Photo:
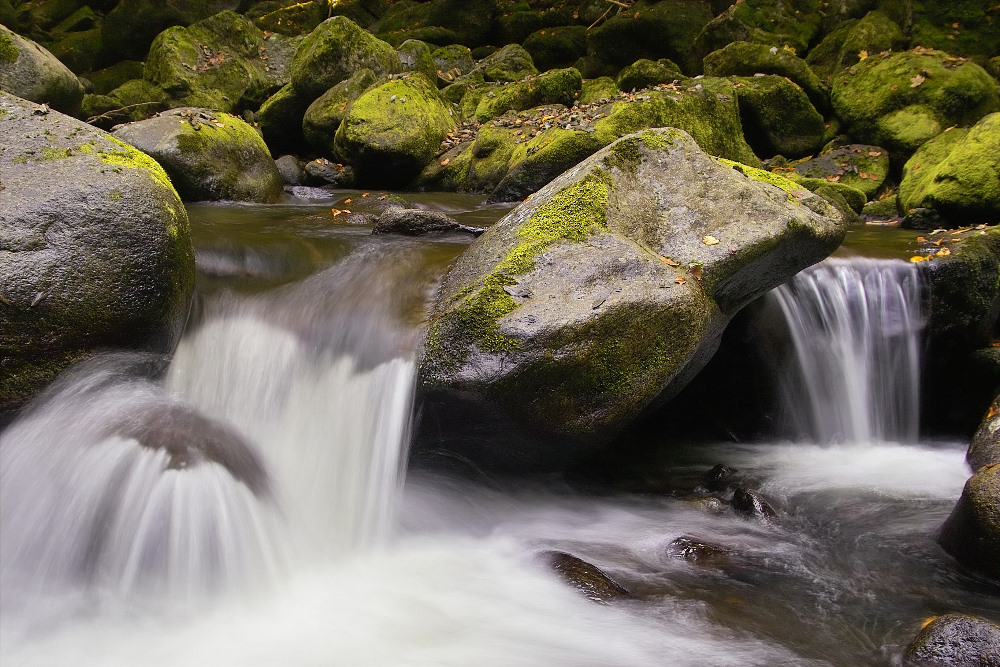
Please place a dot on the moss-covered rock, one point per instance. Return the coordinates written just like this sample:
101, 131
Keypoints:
29, 71
223, 62
280, 120
323, 117
778, 118
293, 17
853, 41
860, 166
95, 249
957, 174
882, 209
556, 47
853, 198
128, 29
394, 129
902, 100
750, 58
79, 51
964, 28
605, 292
334, 51
652, 30
593, 91
415, 56
468, 22
461, 87
558, 86
647, 73
132, 101
985, 447
209, 156
954, 640
511, 63
772, 22
107, 79
453, 57
972, 532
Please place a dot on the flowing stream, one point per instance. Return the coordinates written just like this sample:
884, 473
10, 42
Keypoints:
294, 539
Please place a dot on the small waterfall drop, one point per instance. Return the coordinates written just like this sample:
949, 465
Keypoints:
855, 328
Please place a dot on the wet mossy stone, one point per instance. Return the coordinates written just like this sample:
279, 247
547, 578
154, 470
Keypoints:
29, 71
224, 62
852, 197
972, 532
605, 293
79, 51
129, 28
132, 101
902, 100
453, 57
752, 505
653, 30
882, 209
511, 63
585, 577
648, 73
985, 446
957, 174
279, 120
209, 156
292, 18
772, 22
778, 118
468, 22
335, 50
860, 166
556, 47
393, 129
750, 58
417, 222
323, 117
558, 86
95, 249
415, 56
964, 28
955, 640
854, 40
593, 91
456, 91
107, 79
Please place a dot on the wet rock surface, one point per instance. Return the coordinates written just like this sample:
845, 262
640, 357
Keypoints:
585, 577
955, 640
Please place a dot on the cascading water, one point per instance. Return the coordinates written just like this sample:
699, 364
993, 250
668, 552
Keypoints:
855, 327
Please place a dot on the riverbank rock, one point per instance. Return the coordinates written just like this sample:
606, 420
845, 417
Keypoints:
859, 166
393, 129
95, 249
901, 100
558, 86
778, 118
957, 174
955, 640
972, 533
985, 447
323, 117
607, 291
209, 155
749, 59
32, 73
417, 222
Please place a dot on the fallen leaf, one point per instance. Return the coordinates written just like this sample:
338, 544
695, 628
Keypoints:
709, 240
669, 262
922, 239
943, 252
347, 201
920, 258
874, 153
917, 80
695, 271
445, 161
338, 211
864, 174
679, 281
862, 54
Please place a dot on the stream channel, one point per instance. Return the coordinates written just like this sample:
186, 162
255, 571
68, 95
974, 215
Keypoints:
322, 549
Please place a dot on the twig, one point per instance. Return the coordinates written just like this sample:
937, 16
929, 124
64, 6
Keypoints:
626, 4
107, 114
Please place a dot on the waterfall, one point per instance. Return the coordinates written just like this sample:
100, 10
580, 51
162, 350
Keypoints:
855, 328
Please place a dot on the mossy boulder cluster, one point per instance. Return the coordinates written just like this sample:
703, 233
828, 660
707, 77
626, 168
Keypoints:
605, 293
95, 250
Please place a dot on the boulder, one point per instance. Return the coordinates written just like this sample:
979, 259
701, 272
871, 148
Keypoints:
292, 18
224, 62
696, 550
964, 28
752, 505
467, 22
957, 174
279, 120
393, 129
955, 640
32, 73
323, 117
901, 100
95, 249
750, 58
558, 86
511, 63
650, 29
415, 56
647, 73
860, 166
985, 447
80, 51
585, 577
132, 101
453, 57
972, 532
605, 293
323, 172
290, 169
556, 47
778, 118
849, 42
109, 78
417, 222
209, 155
334, 51
594, 91
130, 27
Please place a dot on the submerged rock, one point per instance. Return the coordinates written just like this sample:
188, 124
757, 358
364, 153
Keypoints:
955, 640
720, 478
95, 249
751, 504
209, 156
417, 222
32, 73
585, 577
693, 549
607, 291
972, 532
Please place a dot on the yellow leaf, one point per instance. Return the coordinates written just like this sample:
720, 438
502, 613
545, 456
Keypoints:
709, 240
695, 271
943, 252
920, 258
862, 54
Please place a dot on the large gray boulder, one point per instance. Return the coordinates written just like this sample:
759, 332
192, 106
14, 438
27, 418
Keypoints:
972, 532
95, 250
209, 155
605, 293
31, 72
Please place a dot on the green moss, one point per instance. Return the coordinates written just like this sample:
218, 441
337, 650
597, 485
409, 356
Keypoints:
764, 176
115, 195
131, 158
595, 90
853, 197
8, 51
554, 87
